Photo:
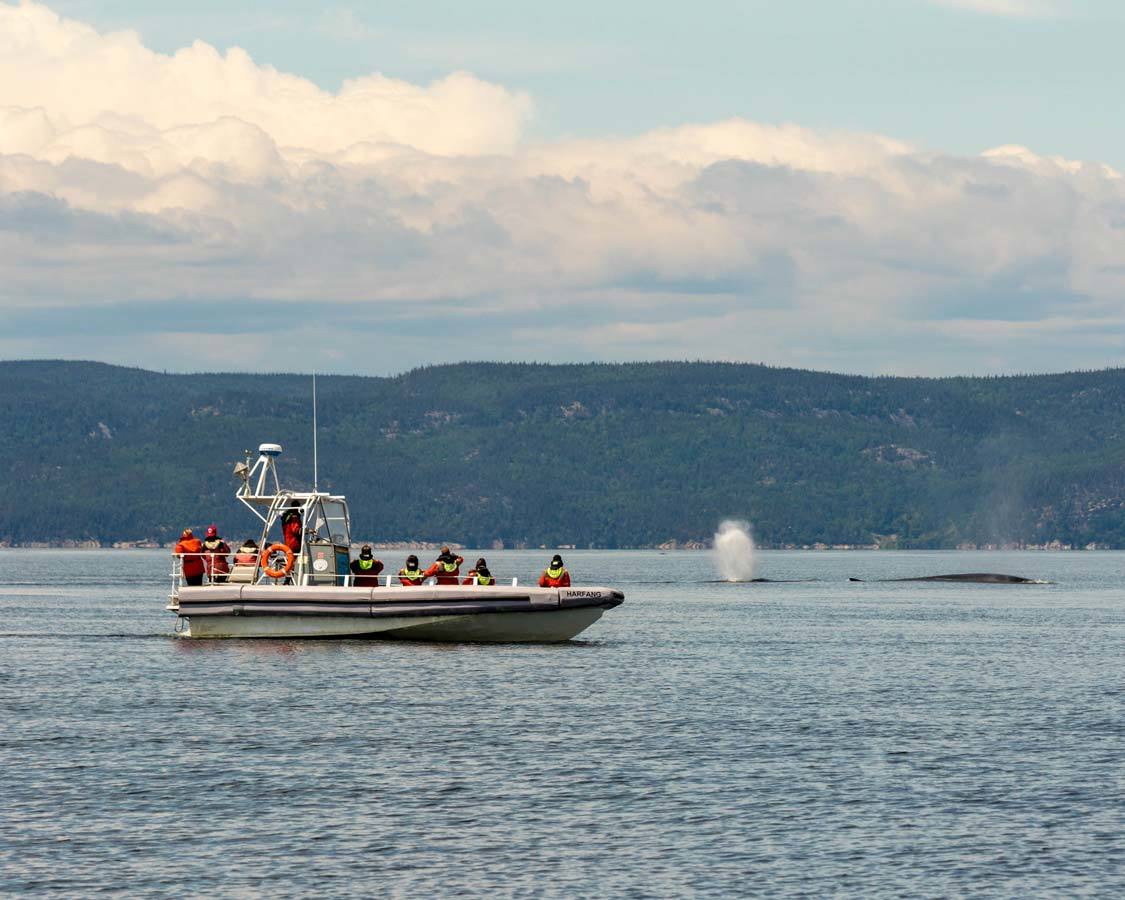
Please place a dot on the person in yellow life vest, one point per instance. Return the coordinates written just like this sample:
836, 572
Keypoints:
410, 574
366, 569
555, 575
447, 567
479, 574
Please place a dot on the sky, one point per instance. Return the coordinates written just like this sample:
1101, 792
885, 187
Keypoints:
913, 187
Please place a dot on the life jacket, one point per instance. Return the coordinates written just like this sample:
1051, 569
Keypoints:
246, 556
555, 577
411, 576
483, 580
366, 572
446, 569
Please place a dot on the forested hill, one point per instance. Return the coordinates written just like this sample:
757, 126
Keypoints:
601, 455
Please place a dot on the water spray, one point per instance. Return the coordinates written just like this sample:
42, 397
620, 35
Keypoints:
734, 551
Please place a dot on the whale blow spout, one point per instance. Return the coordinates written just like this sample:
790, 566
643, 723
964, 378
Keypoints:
734, 551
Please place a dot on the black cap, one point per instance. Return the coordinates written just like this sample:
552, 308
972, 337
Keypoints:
556, 559
412, 559
365, 550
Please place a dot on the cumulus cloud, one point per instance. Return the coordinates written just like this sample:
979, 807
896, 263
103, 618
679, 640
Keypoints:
112, 94
199, 199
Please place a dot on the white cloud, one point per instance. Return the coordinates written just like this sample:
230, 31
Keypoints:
417, 225
81, 78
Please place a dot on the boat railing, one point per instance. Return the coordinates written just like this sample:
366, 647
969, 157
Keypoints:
392, 579
244, 573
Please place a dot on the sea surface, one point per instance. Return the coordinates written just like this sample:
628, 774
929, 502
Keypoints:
820, 737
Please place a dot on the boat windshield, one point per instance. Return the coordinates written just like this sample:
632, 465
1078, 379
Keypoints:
329, 519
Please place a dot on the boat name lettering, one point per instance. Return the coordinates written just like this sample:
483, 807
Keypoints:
583, 593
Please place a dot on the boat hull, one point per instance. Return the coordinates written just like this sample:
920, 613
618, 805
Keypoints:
560, 625
432, 613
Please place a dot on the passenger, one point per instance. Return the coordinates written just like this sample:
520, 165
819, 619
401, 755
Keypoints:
410, 574
189, 549
245, 563
447, 568
247, 554
216, 559
555, 575
291, 530
366, 569
479, 574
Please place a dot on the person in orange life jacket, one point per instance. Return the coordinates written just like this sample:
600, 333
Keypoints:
447, 568
192, 564
410, 574
291, 530
216, 559
555, 575
480, 573
366, 569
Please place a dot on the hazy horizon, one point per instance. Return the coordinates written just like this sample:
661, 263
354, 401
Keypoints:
497, 362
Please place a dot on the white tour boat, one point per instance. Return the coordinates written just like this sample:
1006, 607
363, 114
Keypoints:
308, 592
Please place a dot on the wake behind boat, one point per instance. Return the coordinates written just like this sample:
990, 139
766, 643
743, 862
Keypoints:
301, 585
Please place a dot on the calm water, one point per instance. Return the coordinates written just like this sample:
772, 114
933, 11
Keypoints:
822, 737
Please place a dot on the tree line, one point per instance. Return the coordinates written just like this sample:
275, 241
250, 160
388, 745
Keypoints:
586, 455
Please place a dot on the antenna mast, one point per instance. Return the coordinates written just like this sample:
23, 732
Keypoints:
316, 489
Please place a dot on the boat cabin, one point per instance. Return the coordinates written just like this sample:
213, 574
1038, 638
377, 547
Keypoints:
313, 550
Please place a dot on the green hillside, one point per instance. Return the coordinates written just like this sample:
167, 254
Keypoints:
602, 455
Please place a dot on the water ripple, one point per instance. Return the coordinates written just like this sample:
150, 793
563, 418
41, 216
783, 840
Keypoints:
805, 738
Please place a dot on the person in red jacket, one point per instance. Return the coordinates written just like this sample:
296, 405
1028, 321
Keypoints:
555, 575
410, 574
291, 530
479, 574
447, 568
366, 569
216, 559
189, 549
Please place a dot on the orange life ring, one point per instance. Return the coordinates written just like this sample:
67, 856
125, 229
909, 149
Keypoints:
277, 573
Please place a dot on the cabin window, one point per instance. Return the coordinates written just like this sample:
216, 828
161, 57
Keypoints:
315, 520
337, 520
